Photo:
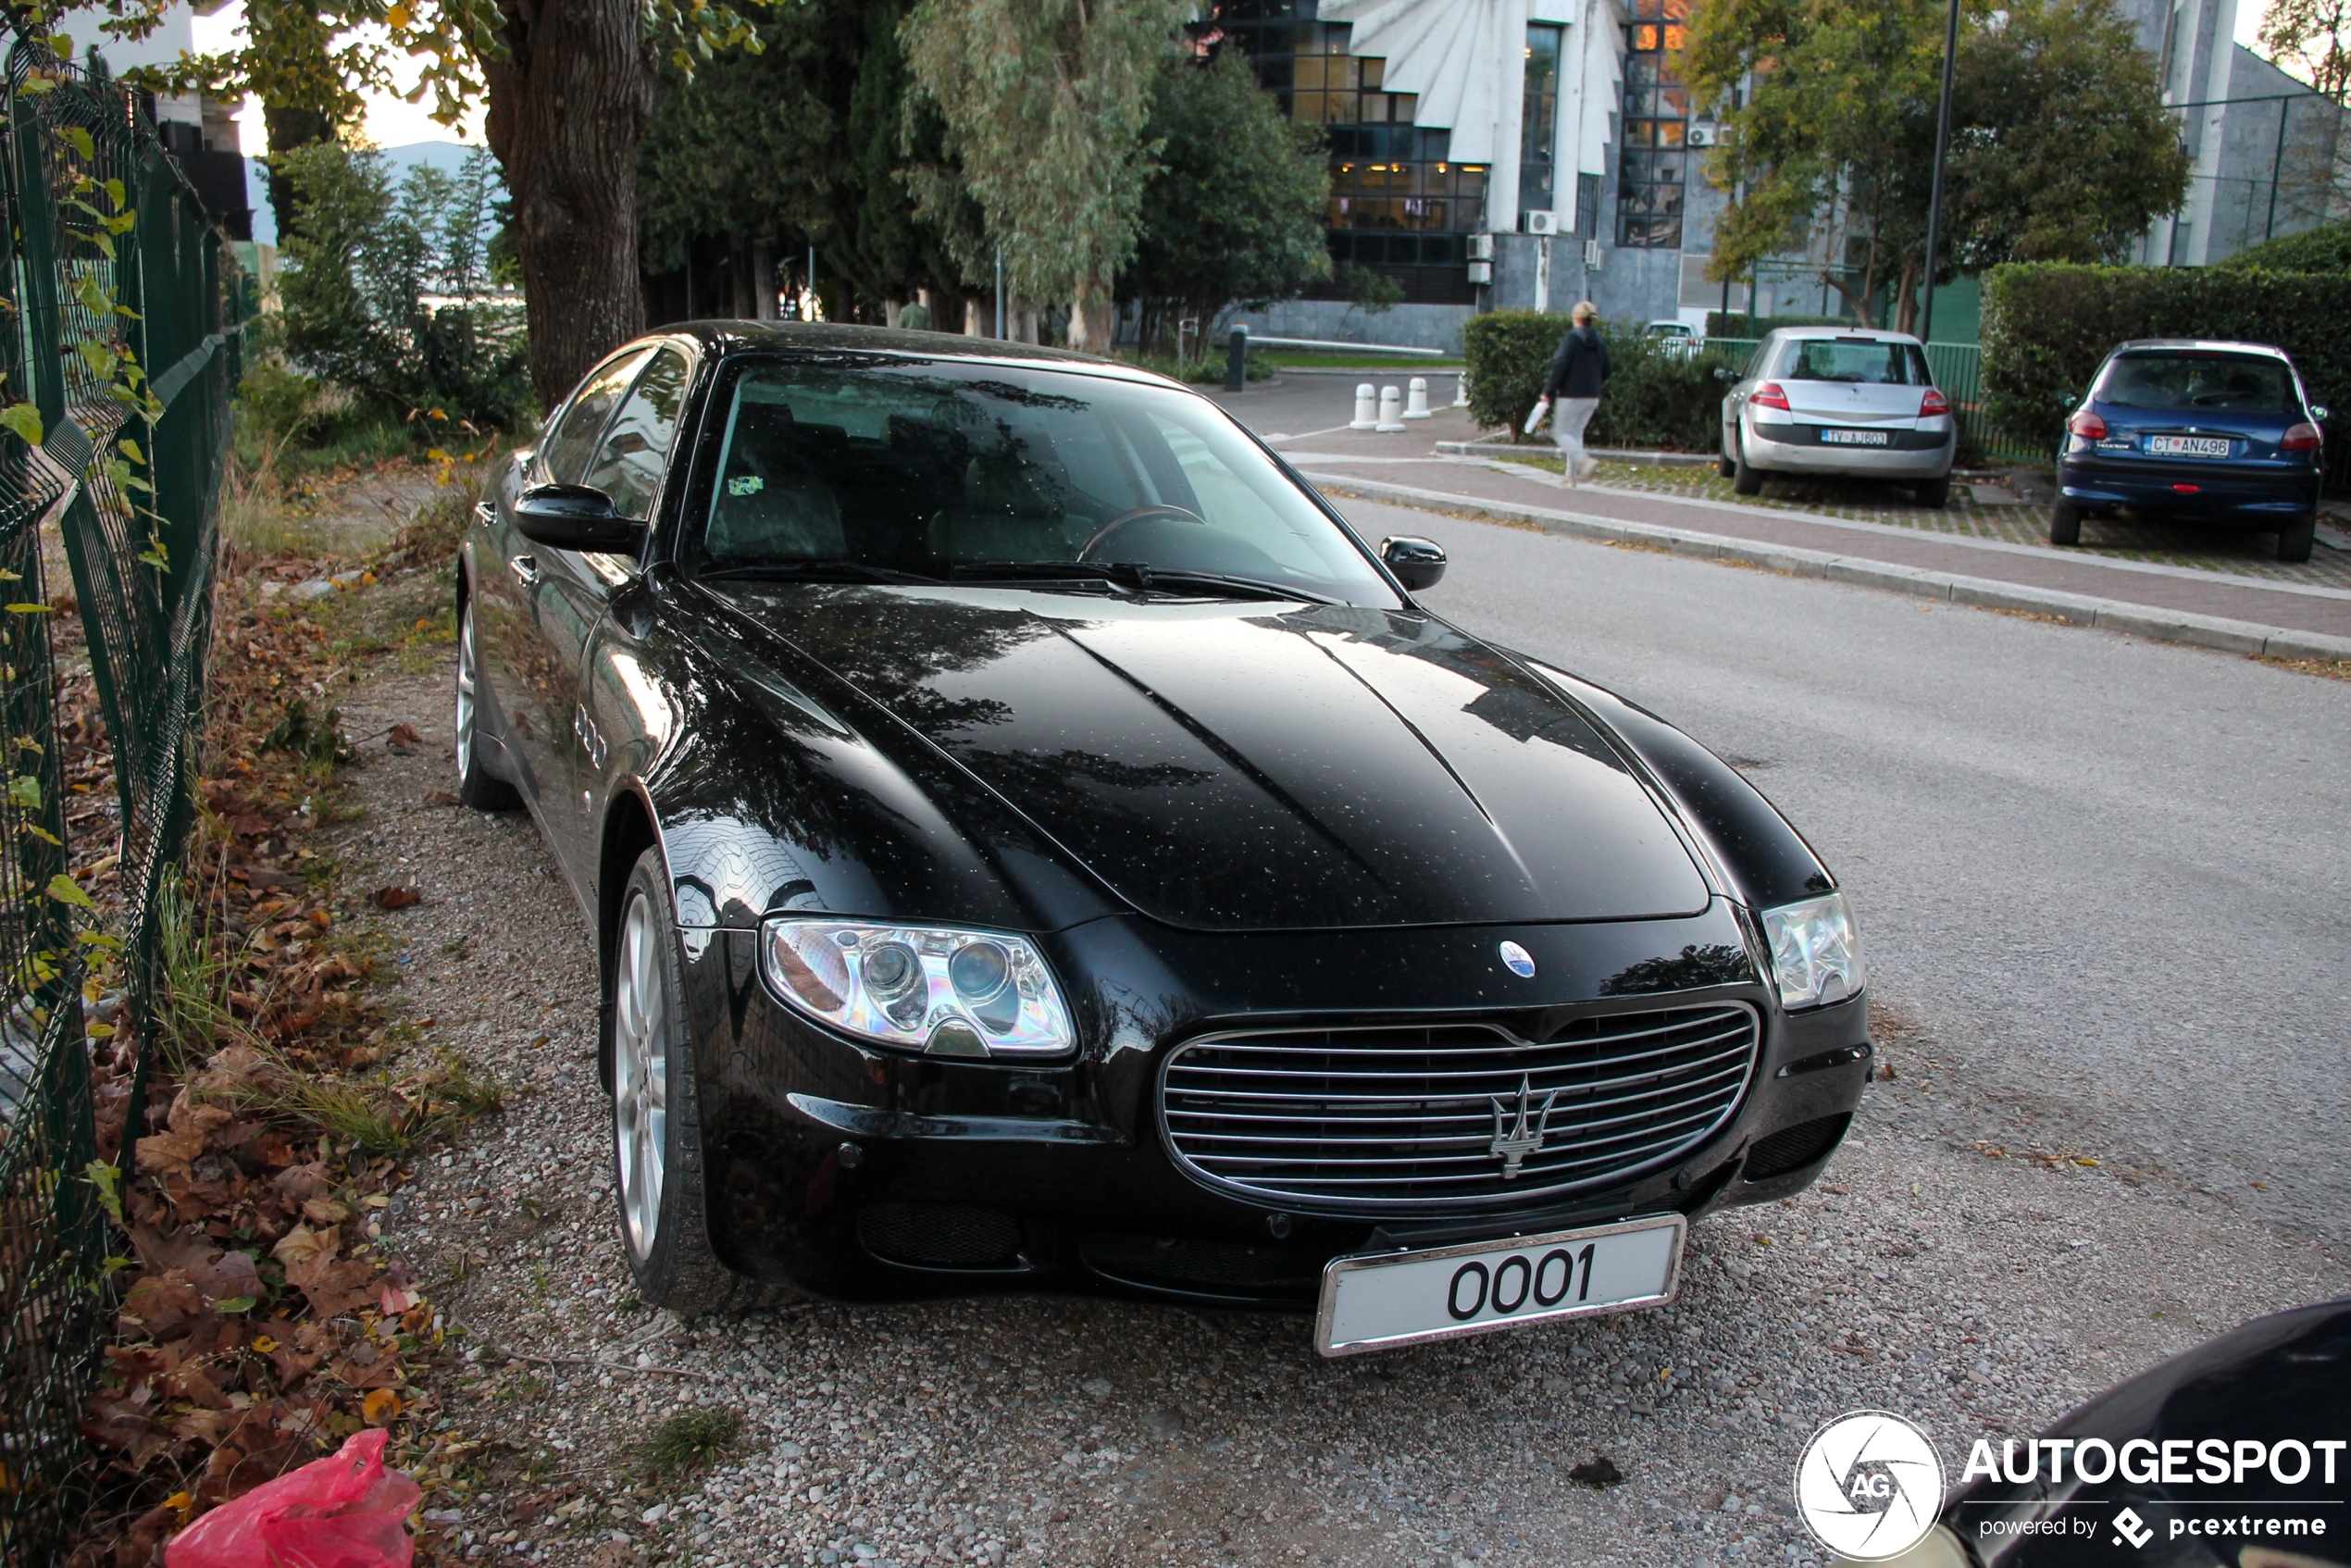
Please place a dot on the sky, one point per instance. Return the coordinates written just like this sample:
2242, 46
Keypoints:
389, 123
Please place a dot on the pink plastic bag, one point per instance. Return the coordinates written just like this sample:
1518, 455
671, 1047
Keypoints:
342, 1512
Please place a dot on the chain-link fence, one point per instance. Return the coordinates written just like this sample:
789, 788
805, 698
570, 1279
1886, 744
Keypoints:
120, 350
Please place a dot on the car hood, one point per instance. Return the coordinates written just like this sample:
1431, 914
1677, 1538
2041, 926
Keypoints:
1226, 766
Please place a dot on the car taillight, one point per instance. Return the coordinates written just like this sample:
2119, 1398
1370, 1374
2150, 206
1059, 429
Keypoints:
2088, 426
2302, 437
1769, 395
1934, 403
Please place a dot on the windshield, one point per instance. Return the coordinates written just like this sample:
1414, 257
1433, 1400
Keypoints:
1868, 360
2228, 384
937, 471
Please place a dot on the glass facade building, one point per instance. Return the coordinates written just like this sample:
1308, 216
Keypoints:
1653, 159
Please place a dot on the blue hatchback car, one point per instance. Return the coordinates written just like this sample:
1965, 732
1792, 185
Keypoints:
2182, 427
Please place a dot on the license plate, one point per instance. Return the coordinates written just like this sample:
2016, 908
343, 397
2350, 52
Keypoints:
1853, 438
2187, 446
1375, 1302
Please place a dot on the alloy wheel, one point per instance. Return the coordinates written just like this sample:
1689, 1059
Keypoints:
640, 1072
468, 668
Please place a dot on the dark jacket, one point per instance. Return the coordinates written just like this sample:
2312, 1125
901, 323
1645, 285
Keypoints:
1579, 367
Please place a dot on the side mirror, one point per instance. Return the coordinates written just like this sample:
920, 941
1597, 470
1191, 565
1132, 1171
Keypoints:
1417, 563
577, 516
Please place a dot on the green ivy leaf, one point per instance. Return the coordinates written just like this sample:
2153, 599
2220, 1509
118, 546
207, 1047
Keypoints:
235, 1304
25, 420
24, 793
66, 890
107, 1179
30, 610
79, 140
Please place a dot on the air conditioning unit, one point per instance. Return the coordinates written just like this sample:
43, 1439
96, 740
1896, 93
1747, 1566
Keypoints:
1481, 247
1705, 135
1591, 255
1538, 221
1481, 272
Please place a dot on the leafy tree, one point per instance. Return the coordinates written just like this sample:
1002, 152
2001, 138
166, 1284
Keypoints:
359, 271
1234, 212
1044, 104
2312, 38
569, 87
2060, 148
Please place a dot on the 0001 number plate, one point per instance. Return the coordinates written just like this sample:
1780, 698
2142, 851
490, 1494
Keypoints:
1377, 1301
2186, 446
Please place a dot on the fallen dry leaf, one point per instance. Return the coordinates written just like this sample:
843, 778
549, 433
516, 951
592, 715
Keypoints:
442, 798
382, 1405
304, 1248
396, 898
404, 735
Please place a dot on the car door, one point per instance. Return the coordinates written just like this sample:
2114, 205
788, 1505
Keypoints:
521, 670
574, 594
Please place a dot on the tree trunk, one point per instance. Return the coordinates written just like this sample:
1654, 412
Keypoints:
1906, 305
1091, 318
763, 280
289, 128
568, 106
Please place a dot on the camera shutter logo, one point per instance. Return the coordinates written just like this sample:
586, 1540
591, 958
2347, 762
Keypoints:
1869, 1486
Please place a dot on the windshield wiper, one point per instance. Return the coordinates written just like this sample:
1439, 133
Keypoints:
816, 571
1137, 577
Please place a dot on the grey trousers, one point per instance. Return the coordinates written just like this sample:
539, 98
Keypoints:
1569, 415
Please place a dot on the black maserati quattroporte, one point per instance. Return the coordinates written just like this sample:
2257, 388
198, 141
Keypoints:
1033, 842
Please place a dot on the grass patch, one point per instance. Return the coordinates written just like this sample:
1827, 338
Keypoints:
2330, 669
688, 1441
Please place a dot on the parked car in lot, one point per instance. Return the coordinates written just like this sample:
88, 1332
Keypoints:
2185, 427
1838, 400
1032, 841
1678, 337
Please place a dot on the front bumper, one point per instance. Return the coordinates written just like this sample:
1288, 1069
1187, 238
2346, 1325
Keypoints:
2266, 493
1798, 448
862, 1175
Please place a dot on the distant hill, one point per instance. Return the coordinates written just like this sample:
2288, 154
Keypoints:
446, 156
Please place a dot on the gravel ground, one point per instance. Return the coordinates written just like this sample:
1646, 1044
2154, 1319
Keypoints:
1978, 1294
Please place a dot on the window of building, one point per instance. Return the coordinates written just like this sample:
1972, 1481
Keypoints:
1539, 120
1399, 202
1652, 160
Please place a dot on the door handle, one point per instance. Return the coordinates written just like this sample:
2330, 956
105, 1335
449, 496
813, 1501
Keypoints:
526, 570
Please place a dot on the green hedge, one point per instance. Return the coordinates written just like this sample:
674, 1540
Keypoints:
1661, 397
1739, 324
2326, 248
2046, 327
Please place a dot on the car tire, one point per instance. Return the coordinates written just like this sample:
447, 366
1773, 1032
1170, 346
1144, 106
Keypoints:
477, 786
2296, 540
1745, 478
657, 1145
2065, 523
1724, 464
1933, 492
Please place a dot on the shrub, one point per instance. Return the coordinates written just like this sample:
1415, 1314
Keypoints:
2046, 327
2326, 248
1661, 396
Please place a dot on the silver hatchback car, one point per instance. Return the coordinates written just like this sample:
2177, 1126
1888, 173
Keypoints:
1839, 400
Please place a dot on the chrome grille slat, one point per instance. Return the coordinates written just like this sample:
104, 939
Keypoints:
1399, 1116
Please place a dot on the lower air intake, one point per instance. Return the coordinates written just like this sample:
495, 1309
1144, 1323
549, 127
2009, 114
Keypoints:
1792, 1149
941, 1234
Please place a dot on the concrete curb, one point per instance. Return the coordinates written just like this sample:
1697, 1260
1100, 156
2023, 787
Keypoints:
2217, 632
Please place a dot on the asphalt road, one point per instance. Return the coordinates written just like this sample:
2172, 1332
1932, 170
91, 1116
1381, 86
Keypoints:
2105, 880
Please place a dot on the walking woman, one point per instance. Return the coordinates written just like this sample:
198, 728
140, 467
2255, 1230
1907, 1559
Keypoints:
1573, 391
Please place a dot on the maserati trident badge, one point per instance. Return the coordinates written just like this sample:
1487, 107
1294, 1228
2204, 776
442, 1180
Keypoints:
1514, 1146
1519, 960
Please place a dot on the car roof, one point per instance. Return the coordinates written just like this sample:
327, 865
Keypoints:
838, 337
2223, 344
1810, 334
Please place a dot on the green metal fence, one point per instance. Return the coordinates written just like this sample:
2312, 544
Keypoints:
120, 360
1958, 369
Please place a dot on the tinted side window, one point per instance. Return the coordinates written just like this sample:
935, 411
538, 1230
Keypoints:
630, 465
565, 450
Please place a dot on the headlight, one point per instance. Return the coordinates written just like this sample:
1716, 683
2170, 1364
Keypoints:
928, 988
1815, 956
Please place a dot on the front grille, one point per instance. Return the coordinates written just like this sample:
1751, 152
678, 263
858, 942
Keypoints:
1393, 1118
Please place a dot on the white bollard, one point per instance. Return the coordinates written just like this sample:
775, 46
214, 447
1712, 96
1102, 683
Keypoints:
1389, 403
1417, 405
1364, 418
1461, 390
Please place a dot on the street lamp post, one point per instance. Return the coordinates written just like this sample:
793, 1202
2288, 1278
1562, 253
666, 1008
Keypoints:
1934, 193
